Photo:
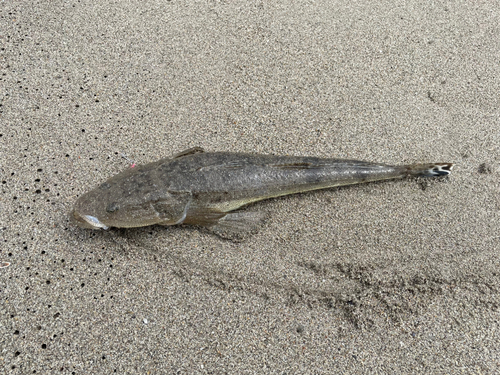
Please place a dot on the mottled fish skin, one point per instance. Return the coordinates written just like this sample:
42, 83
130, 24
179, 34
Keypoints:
201, 188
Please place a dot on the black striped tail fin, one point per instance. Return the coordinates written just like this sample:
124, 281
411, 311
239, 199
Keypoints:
429, 170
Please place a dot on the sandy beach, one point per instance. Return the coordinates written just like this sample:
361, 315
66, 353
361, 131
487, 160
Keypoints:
391, 277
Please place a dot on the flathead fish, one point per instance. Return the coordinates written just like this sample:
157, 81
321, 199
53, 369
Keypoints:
204, 188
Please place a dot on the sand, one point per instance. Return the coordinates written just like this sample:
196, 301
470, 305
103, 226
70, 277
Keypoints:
393, 277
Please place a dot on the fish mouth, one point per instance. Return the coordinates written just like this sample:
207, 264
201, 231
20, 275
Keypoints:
87, 221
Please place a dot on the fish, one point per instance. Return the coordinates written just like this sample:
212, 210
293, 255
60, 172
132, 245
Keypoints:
207, 189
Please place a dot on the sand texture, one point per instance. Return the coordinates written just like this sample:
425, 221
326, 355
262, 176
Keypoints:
391, 277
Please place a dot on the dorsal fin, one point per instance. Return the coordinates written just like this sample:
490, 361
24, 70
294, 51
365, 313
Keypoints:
189, 151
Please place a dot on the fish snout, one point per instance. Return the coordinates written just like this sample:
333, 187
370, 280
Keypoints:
86, 221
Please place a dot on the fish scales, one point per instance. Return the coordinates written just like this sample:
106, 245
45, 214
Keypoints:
240, 176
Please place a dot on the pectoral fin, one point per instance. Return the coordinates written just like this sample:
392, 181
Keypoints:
173, 210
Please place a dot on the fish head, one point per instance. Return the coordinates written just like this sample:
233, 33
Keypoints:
130, 200
122, 204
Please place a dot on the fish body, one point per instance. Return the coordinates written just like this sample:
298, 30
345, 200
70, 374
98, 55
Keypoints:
203, 188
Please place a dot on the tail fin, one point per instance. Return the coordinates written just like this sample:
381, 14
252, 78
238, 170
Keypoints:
429, 170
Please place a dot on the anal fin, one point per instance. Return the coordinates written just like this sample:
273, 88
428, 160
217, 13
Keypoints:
237, 226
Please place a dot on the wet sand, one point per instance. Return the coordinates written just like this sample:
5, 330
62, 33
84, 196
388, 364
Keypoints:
400, 276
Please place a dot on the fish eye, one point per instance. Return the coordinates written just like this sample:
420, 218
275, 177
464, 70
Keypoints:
112, 207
